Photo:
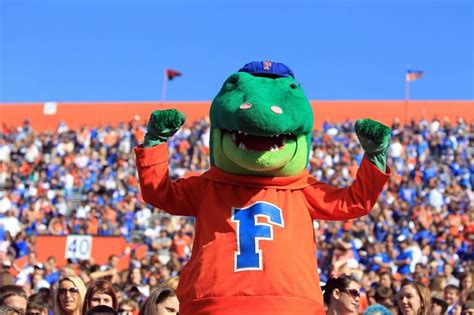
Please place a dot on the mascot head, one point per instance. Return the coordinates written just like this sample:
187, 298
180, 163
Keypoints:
261, 122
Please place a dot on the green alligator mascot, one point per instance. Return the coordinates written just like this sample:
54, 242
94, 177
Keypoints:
254, 248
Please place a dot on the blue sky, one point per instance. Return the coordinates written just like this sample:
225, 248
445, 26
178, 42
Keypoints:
106, 50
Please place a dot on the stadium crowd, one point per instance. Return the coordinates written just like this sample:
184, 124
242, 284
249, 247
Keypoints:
84, 182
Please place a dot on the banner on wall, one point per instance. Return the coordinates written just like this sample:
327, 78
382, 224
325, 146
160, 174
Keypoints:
84, 247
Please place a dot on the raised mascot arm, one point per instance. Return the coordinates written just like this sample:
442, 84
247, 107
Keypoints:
163, 124
375, 139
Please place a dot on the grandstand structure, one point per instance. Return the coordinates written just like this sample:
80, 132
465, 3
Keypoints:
70, 201
47, 116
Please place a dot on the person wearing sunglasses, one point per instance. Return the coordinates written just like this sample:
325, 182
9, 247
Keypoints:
70, 296
413, 299
341, 295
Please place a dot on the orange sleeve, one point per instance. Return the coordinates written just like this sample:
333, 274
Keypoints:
181, 197
330, 203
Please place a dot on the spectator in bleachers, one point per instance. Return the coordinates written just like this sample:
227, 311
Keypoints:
13, 296
100, 292
128, 307
341, 295
162, 301
70, 296
438, 306
84, 182
452, 297
35, 307
414, 299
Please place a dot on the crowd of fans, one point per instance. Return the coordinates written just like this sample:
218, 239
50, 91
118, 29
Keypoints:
84, 182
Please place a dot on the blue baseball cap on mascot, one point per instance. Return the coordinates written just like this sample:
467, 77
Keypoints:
268, 69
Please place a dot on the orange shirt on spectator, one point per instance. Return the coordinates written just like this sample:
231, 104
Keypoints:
181, 244
455, 221
93, 226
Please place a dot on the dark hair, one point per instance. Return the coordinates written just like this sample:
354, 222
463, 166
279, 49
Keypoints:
101, 286
155, 298
37, 304
11, 290
452, 287
341, 282
101, 310
382, 294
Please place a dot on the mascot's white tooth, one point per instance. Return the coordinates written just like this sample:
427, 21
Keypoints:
242, 146
234, 137
274, 148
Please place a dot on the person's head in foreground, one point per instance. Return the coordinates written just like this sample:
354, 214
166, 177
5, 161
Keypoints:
101, 310
468, 308
36, 307
128, 307
13, 296
8, 310
162, 301
100, 292
377, 309
438, 306
413, 299
70, 296
341, 295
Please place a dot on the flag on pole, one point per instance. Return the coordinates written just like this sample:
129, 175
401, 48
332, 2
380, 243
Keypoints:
413, 75
171, 74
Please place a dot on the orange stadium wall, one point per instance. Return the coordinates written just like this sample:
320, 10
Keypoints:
85, 247
95, 113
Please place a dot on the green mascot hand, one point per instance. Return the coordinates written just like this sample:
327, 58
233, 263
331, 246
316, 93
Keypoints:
162, 125
375, 139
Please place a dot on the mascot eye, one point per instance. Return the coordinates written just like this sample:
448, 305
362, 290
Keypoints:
232, 82
293, 86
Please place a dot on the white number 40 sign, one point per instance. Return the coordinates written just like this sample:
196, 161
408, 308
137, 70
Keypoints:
78, 246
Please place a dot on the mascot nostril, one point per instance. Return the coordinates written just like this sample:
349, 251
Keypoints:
254, 246
276, 109
245, 106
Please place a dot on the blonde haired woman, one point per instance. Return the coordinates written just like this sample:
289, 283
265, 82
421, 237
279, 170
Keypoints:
69, 296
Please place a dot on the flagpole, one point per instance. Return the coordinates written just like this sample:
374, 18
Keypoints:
407, 97
164, 85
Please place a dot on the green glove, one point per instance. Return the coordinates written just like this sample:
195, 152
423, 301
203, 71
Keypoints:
162, 125
375, 139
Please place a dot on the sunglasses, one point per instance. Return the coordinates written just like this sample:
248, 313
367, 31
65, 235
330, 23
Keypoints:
352, 292
64, 291
125, 312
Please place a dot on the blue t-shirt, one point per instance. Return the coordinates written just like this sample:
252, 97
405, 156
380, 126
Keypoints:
405, 268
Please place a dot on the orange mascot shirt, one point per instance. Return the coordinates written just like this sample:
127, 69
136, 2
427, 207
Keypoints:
254, 249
